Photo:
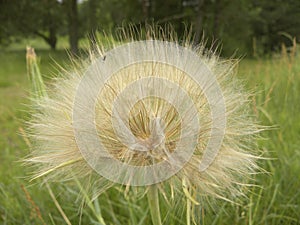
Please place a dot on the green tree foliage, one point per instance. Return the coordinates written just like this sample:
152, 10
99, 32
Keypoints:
41, 18
244, 25
229, 21
277, 22
71, 9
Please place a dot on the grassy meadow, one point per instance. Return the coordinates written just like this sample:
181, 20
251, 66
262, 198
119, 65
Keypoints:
275, 199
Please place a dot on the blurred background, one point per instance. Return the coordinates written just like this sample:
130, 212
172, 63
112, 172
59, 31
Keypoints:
264, 34
250, 27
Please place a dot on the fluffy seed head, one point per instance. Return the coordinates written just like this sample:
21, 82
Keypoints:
150, 111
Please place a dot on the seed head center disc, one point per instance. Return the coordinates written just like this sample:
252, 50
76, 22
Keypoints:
93, 148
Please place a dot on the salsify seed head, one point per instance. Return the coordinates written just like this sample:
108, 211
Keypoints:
147, 109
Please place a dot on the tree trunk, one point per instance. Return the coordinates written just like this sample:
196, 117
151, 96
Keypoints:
52, 22
73, 25
52, 40
145, 8
92, 24
199, 22
217, 17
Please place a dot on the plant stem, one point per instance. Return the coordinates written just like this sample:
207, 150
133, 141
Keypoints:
153, 201
188, 211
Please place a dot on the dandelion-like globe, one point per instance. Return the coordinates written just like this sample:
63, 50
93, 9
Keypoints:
148, 112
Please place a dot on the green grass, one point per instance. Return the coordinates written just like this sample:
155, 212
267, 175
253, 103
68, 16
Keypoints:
276, 200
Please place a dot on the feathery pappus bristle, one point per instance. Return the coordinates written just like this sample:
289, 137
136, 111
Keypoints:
144, 110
